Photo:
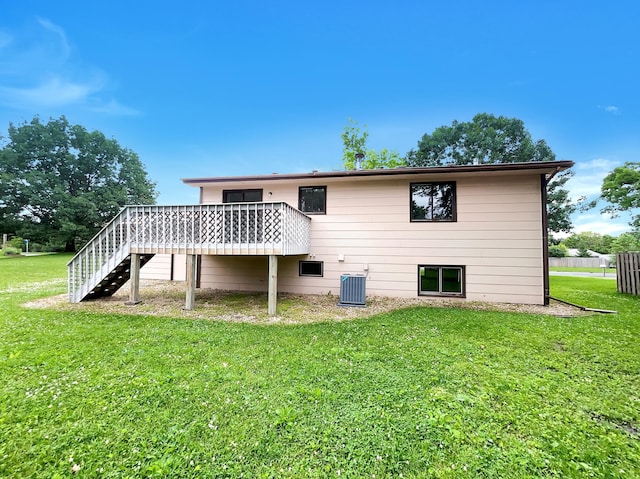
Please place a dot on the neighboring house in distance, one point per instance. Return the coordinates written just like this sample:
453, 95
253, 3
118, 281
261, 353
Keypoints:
476, 232
575, 253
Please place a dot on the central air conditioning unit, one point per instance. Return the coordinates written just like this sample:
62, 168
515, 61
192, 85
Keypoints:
352, 290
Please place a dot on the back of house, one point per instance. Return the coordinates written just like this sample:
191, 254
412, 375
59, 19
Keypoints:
471, 232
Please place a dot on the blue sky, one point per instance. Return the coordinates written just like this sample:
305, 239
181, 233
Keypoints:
249, 87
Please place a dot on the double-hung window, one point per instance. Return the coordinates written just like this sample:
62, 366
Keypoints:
433, 201
441, 280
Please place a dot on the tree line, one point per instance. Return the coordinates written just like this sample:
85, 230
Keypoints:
588, 241
60, 183
490, 139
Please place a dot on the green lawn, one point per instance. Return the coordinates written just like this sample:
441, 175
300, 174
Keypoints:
420, 392
583, 270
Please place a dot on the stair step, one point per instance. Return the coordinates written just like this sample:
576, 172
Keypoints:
114, 280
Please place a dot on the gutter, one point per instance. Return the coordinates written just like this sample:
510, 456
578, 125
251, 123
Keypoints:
544, 182
584, 308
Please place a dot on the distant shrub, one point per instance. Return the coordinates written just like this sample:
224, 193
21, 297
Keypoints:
558, 251
16, 243
10, 251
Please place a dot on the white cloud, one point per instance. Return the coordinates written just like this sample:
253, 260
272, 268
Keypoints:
59, 32
53, 92
614, 110
601, 223
599, 164
588, 177
39, 71
587, 182
603, 227
115, 108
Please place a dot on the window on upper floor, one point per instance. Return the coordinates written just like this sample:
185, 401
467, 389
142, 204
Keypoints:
433, 201
241, 196
441, 280
312, 199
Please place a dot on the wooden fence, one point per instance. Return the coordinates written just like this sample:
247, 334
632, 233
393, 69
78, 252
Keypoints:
572, 262
628, 273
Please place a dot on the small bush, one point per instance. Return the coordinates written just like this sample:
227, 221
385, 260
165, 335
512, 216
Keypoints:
584, 253
10, 251
16, 243
558, 251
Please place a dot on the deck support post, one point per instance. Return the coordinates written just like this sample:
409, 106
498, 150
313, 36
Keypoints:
273, 284
191, 282
134, 279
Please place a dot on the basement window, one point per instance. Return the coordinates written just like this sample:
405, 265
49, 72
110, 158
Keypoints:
311, 268
441, 280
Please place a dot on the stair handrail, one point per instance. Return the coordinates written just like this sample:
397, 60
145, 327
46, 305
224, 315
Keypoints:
97, 235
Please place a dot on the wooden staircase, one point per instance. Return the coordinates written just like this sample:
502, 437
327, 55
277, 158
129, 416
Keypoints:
116, 278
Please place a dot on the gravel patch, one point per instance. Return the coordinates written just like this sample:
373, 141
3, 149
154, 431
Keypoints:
166, 298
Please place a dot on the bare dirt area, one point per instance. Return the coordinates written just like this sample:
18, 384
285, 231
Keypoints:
166, 298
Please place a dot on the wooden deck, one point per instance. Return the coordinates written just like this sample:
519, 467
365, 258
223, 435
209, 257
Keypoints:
105, 263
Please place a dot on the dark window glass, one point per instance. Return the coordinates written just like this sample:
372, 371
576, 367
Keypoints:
433, 201
441, 280
311, 268
429, 279
451, 280
312, 199
241, 196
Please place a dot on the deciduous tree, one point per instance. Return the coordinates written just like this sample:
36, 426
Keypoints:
490, 139
61, 183
354, 144
589, 240
621, 189
625, 243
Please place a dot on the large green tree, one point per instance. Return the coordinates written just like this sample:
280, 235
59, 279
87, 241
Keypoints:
621, 189
589, 240
61, 183
490, 139
626, 242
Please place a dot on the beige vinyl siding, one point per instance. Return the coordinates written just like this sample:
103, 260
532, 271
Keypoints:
159, 267
497, 238
240, 273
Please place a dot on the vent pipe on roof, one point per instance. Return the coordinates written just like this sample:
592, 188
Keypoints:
359, 158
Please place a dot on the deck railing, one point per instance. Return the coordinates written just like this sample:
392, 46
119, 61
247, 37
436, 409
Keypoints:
216, 229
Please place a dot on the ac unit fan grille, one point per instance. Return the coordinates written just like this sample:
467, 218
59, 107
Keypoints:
352, 290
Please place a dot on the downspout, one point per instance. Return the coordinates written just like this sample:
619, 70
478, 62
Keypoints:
545, 236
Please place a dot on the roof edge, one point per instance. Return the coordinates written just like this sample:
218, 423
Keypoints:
551, 166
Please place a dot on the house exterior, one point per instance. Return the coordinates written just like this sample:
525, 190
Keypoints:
475, 232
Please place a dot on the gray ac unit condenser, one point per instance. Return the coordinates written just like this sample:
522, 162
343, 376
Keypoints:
352, 290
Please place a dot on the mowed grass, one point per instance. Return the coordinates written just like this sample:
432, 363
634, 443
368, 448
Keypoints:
420, 392
582, 270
